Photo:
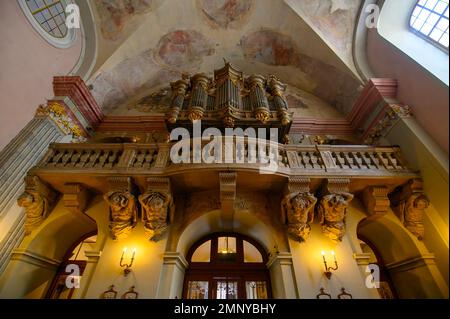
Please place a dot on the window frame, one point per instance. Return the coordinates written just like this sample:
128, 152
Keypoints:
61, 43
422, 35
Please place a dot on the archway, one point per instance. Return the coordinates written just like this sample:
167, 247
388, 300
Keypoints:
227, 266
406, 262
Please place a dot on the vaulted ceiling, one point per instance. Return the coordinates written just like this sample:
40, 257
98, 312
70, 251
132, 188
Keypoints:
145, 44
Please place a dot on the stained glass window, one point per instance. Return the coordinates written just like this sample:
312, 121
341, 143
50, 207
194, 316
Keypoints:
430, 19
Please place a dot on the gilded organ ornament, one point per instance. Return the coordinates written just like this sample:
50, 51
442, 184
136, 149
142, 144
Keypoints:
156, 208
229, 100
332, 210
299, 211
123, 214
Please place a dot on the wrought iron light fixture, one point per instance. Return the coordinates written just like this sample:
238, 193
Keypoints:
126, 266
327, 268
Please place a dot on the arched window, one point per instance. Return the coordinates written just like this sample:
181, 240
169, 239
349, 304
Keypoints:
430, 20
73, 265
48, 17
227, 266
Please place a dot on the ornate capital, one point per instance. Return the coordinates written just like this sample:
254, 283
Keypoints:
122, 207
38, 199
157, 207
63, 118
337, 185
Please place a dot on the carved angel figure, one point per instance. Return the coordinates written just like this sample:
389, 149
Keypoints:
412, 212
299, 211
123, 215
332, 210
155, 209
36, 209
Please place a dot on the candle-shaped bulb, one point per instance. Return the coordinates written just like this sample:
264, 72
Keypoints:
332, 252
323, 253
125, 250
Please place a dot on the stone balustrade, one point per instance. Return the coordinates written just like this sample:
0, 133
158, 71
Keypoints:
292, 159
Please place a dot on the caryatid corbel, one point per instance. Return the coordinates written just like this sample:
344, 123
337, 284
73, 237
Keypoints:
299, 211
332, 211
122, 208
38, 200
157, 207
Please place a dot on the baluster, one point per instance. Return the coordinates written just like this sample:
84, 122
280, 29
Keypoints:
102, 159
93, 158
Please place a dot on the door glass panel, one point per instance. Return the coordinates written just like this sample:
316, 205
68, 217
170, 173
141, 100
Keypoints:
227, 290
197, 290
256, 289
251, 253
202, 253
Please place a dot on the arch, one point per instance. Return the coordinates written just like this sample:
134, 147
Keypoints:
245, 223
408, 263
33, 266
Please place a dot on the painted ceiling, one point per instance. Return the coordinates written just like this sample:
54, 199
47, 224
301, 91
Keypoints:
145, 44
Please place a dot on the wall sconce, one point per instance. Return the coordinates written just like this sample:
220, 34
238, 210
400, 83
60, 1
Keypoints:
127, 267
329, 269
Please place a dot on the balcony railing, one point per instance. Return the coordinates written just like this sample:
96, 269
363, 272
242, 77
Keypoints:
291, 159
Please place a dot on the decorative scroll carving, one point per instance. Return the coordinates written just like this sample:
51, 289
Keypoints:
60, 115
38, 200
409, 203
122, 208
392, 115
332, 210
157, 207
376, 200
299, 209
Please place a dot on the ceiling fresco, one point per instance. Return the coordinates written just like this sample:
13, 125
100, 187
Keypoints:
194, 36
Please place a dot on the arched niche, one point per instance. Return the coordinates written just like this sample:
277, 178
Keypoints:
409, 265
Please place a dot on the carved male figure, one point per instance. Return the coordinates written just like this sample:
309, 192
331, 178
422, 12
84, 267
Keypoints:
123, 215
36, 209
299, 210
38, 200
332, 211
413, 212
155, 207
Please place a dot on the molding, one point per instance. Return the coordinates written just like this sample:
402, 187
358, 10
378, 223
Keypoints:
145, 124
92, 255
283, 258
75, 88
362, 259
412, 263
175, 258
34, 259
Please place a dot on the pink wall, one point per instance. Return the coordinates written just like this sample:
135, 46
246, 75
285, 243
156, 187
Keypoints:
27, 66
425, 94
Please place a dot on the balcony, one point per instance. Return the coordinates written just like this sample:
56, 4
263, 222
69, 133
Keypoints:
91, 164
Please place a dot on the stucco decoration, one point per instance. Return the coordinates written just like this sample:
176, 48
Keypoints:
116, 14
271, 47
225, 13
